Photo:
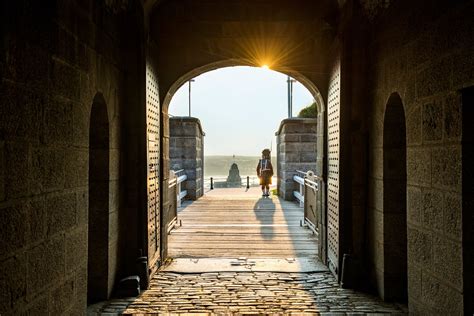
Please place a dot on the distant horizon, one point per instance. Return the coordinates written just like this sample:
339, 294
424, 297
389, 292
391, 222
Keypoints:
219, 165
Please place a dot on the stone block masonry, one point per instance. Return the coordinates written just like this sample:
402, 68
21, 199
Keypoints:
296, 150
187, 152
422, 67
50, 69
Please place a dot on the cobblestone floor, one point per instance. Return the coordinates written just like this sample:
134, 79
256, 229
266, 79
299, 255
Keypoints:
248, 293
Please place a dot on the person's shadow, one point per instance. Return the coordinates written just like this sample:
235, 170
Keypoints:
264, 210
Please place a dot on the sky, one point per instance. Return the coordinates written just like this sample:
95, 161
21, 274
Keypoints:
240, 108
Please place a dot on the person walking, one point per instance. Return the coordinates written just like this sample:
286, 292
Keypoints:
265, 172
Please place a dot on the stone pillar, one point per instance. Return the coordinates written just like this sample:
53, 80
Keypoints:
296, 150
187, 152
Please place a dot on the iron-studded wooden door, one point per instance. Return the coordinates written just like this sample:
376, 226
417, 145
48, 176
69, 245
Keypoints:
153, 160
333, 150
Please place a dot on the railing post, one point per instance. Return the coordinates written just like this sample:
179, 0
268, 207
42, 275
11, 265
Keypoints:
248, 182
212, 183
302, 194
178, 192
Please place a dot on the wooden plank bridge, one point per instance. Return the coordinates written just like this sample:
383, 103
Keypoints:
233, 223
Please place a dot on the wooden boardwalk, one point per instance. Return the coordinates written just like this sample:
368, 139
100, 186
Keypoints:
233, 223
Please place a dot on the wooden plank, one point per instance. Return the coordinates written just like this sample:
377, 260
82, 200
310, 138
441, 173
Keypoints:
249, 217
241, 223
238, 244
243, 252
212, 253
235, 238
240, 230
241, 208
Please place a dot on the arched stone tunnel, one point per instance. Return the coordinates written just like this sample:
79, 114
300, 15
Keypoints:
84, 136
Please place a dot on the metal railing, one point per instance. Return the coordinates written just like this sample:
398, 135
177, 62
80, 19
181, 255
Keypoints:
309, 196
175, 195
308, 179
178, 177
246, 181
299, 178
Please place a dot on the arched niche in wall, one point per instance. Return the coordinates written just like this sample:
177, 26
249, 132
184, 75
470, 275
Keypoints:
2, 166
98, 231
395, 201
467, 217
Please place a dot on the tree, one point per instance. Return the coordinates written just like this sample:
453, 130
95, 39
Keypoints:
309, 112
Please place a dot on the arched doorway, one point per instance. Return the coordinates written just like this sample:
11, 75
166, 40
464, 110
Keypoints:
394, 201
178, 54
468, 196
98, 230
249, 84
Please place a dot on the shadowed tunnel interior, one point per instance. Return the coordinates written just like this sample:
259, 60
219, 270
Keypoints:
85, 88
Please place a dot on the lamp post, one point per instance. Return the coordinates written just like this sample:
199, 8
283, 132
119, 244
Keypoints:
189, 82
290, 96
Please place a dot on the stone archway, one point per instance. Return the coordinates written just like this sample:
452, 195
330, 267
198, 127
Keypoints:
164, 146
98, 229
186, 40
394, 201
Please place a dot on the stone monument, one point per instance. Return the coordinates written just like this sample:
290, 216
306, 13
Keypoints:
234, 180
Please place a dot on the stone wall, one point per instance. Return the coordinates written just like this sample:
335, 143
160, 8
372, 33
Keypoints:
296, 150
54, 58
187, 152
422, 53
